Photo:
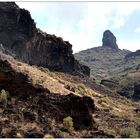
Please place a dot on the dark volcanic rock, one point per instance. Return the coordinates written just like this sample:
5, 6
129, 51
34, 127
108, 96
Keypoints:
127, 91
130, 89
109, 40
19, 35
136, 94
80, 109
14, 81
133, 54
109, 83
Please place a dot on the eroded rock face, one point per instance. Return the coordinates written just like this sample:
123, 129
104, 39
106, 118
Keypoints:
18, 33
131, 89
16, 82
109, 40
80, 109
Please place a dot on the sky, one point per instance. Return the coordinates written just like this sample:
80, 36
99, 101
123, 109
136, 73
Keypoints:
83, 23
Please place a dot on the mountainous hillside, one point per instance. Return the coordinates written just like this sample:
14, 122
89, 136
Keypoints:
46, 93
108, 61
37, 103
117, 69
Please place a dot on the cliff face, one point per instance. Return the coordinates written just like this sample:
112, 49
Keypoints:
18, 33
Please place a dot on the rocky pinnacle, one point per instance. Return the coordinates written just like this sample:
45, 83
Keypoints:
109, 40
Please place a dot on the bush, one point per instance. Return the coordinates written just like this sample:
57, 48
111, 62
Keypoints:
129, 133
81, 86
40, 81
105, 99
68, 124
3, 97
1, 46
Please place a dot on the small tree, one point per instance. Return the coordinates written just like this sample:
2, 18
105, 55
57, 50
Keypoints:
3, 97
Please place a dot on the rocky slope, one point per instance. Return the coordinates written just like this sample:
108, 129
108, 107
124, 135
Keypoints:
30, 108
19, 35
34, 102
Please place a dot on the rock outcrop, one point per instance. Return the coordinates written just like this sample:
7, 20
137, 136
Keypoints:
136, 94
133, 54
129, 85
18, 34
109, 40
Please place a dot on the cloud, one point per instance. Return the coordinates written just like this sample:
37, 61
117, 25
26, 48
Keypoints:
81, 23
132, 45
137, 30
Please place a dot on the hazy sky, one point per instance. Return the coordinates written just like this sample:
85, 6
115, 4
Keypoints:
83, 23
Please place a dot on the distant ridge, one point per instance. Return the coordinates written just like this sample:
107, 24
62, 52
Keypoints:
108, 61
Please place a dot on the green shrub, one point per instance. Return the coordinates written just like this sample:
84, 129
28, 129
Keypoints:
81, 86
129, 132
40, 81
68, 124
105, 99
1, 46
3, 97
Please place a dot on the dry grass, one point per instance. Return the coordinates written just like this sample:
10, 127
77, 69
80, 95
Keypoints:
129, 132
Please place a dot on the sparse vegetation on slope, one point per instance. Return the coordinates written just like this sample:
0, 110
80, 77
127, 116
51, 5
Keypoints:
39, 108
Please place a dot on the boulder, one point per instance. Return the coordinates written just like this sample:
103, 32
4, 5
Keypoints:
109, 83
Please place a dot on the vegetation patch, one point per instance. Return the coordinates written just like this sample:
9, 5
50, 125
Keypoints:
81, 86
118, 114
129, 132
105, 99
40, 81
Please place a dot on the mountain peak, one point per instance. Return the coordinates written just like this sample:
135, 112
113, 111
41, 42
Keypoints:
109, 40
